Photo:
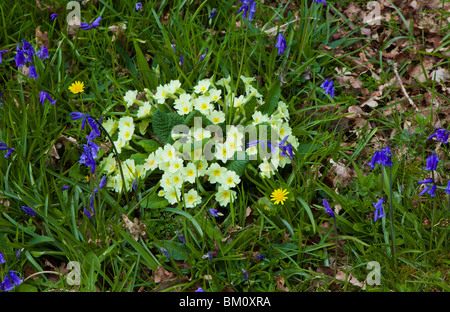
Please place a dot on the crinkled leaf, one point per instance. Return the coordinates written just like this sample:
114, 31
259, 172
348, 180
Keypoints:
163, 124
149, 146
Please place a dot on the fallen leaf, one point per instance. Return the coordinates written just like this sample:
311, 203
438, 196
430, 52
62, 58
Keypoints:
162, 274
281, 283
136, 228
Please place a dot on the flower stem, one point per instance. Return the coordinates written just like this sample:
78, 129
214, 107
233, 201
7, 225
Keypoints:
336, 247
391, 215
433, 219
118, 160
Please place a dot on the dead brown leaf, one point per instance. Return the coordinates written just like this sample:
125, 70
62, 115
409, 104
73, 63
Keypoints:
281, 283
136, 228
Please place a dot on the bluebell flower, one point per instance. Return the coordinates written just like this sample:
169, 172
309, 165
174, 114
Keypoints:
164, 252
11, 280
43, 53
280, 44
43, 96
430, 180
138, 6
202, 57
286, 149
252, 10
102, 183
65, 187
321, 1
32, 73
1, 98
432, 190
181, 60
181, 238
447, 190
88, 213
215, 213
53, 16
260, 257
90, 154
425, 190
1, 52
20, 58
199, 290
246, 5
4, 147
28, 49
379, 213
2, 258
381, 157
87, 26
208, 256
212, 13
440, 134
28, 210
328, 86
86, 117
328, 208
432, 162
245, 274
134, 185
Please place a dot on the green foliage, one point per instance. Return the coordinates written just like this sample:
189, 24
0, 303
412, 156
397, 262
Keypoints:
297, 238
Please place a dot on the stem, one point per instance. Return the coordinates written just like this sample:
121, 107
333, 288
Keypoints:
446, 225
336, 247
118, 160
433, 218
391, 215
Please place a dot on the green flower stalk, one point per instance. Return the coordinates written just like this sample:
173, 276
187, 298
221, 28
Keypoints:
382, 157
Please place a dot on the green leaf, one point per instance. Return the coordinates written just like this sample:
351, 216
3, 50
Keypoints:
272, 97
308, 211
139, 158
149, 146
163, 124
238, 165
148, 76
41, 240
249, 107
154, 202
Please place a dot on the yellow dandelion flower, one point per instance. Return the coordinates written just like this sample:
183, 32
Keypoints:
279, 196
76, 87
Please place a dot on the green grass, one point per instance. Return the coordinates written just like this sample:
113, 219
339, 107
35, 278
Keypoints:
296, 239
